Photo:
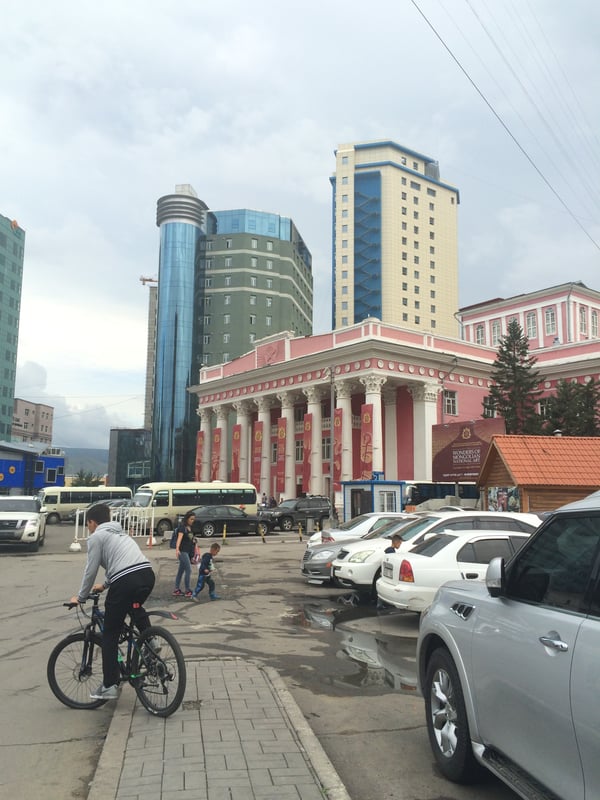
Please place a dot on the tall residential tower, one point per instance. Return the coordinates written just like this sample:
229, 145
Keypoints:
395, 239
12, 248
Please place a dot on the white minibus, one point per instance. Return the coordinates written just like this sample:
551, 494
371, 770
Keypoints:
57, 501
171, 500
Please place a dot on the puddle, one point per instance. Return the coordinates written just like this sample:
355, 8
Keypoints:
379, 644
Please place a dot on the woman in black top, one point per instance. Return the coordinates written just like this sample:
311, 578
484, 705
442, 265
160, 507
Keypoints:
184, 550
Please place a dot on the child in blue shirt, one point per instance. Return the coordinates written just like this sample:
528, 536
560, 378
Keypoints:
204, 573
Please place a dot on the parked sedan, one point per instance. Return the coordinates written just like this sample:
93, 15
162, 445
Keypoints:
358, 565
211, 520
317, 561
355, 528
409, 581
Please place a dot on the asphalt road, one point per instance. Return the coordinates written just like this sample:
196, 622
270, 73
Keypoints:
351, 670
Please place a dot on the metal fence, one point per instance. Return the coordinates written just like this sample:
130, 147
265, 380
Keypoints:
140, 525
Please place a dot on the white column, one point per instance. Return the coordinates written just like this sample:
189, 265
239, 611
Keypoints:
425, 399
205, 426
344, 401
313, 397
373, 384
243, 411
264, 415
391, 433
287, 412
223, 424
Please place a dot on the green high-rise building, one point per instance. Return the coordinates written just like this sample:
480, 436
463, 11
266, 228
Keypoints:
12, 248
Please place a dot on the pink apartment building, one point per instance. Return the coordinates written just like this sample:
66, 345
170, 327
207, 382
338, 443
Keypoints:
266, 417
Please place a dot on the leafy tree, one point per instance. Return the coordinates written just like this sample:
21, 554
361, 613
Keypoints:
515, 391
83, 478
574, 409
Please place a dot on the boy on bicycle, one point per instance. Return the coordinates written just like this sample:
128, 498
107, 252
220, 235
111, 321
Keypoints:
129, 578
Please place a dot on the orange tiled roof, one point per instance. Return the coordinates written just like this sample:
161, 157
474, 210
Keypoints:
548, 460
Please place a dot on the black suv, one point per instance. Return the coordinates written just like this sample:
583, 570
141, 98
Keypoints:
293, 512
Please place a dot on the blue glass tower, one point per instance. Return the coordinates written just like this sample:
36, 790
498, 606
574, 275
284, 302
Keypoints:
182, 220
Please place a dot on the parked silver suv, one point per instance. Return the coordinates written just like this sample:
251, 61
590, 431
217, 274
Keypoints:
509, 668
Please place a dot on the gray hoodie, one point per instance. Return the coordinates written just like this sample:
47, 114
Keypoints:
114, 549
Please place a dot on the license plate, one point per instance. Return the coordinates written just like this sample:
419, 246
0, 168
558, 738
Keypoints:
387, 570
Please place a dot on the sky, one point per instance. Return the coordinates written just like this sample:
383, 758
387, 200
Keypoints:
105, 107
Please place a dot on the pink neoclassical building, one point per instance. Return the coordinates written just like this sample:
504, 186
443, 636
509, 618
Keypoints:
266, 417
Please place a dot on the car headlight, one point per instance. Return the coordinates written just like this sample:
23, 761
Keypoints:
324, 555
359, 558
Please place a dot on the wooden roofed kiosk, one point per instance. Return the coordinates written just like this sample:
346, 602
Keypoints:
538, 473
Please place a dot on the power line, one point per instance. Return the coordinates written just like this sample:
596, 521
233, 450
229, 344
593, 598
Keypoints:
505, 126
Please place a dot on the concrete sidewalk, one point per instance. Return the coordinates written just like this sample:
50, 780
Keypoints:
239, 735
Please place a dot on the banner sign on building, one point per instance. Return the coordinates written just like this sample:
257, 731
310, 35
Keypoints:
199, 454
257, 441
281, 455
337, 448
215, 456
307, 453
236, 443
366, 441
459, 448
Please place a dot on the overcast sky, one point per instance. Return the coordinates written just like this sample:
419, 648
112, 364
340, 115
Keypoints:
104, 107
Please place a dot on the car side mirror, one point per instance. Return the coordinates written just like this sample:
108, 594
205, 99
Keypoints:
495, 577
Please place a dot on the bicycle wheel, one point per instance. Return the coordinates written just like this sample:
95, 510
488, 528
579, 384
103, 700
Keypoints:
158, 671
72, 673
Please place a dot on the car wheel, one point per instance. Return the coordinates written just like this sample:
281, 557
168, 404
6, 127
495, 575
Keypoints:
52, 519
208, 529
262, 528
373, 593
163, 528
447, 723
42, 541
286, 523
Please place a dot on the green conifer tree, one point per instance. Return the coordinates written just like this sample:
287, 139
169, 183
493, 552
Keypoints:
515, 391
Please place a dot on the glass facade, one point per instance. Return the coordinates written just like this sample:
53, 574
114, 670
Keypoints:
12, 246
174, 421
367, 246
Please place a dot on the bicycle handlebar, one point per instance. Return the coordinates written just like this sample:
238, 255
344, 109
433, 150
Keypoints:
91, 596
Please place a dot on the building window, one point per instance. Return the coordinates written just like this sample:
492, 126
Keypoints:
344, 198
431, 192
252, 299
209, 263
344, 159
404, 226
227, 280
404, 301
496, 332
417, 290
207, 283
206, 338
344, 212
228, 244
326, 448
269, 302
403, 196
254, 244
227, 299
344, 305
344, 274
269, 283
404, 256
254, 261
226, 337
344, 259
269, 246
432, 279
344, 244
404, 317
344, 320
544, 407
252, 338
417, 304
269, 264
225, 357
432, 309
531, 325
404, 210
252, 280
268, 321
480, 334
415, 215
299, 451
449, 401
416, 259
405, 287
344, 229
594, 323
417, 320
207, 302
550, 321
415, 201
273, 452
583, 320
207, 319
344, 290
344, 180
489, 409
226, 319
252, 319
405, 270
228, 261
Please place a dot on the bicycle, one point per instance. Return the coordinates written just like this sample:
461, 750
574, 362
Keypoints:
151, 661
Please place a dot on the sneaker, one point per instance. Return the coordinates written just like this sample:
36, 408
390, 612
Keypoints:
105, 692
188, 593
177, 593
195, 598
215, 597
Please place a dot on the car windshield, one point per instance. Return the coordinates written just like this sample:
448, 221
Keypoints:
389, 528
433, 545
410, 531
142, 499
353, 523
287, 504
18, 504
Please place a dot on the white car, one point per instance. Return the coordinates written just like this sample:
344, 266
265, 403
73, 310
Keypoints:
358, 564
409, 581
22, 522
355, 528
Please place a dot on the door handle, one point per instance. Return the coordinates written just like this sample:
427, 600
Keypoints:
555, 643
471, 575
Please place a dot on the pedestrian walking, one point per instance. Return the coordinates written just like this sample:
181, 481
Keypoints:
184, 550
